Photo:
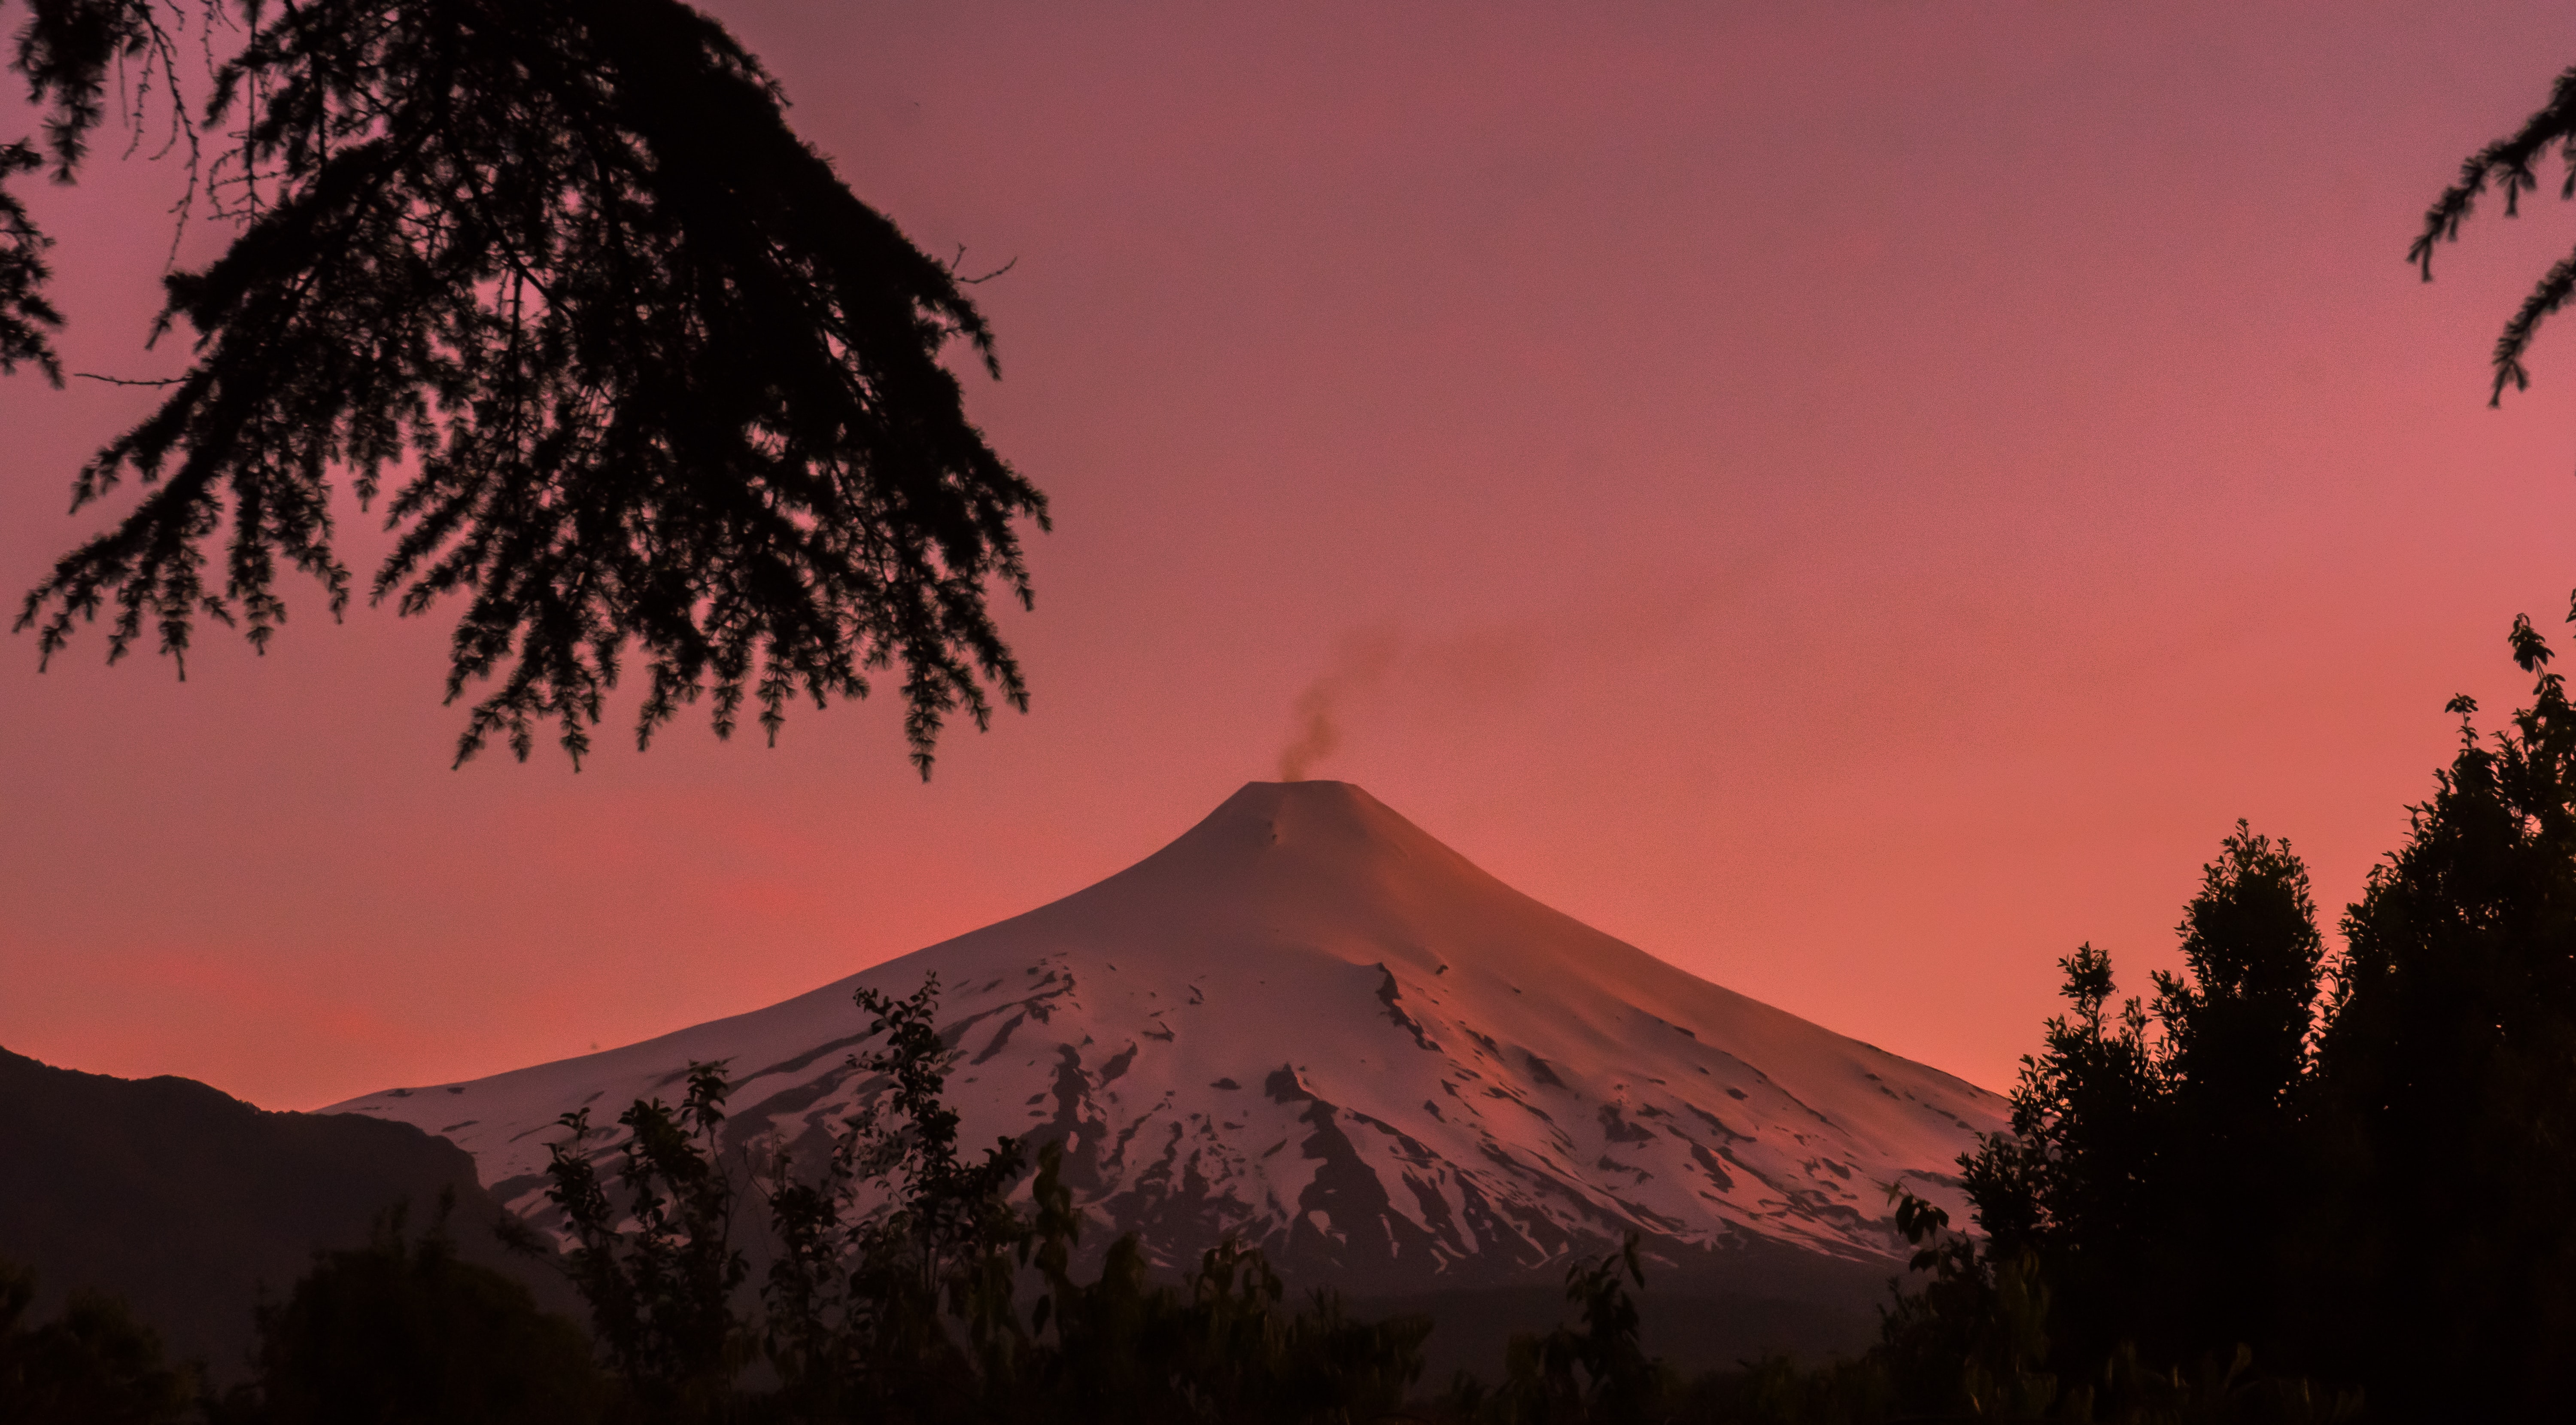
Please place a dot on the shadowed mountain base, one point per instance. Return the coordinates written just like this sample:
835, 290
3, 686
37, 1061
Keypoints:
188, 1203
1759, 1303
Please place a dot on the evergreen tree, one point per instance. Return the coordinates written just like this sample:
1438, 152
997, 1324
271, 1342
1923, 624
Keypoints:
627, 363
25, 315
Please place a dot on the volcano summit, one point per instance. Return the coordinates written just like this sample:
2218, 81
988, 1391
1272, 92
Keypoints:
1309, 1025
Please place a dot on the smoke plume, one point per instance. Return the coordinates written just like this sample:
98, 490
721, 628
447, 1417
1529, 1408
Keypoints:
1458, 675
1462, 672
1359, 667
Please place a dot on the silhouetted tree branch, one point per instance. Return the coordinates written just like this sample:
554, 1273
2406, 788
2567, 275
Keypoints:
2508, 164
629, 364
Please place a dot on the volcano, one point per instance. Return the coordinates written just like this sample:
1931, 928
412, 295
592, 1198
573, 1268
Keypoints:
1310, 1026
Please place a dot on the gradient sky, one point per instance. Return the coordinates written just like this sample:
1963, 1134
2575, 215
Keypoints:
1854, 499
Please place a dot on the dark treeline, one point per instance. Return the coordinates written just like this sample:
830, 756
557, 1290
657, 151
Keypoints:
2355, 1166
2290, 1183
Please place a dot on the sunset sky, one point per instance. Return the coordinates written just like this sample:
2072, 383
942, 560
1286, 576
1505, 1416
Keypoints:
1852, 498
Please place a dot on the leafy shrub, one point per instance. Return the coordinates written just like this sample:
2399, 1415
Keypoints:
92, 1365
401, 1332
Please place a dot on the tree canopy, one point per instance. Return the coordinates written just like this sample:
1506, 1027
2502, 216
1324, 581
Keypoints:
554, 285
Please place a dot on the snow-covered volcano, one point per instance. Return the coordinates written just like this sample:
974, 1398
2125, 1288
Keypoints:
1308, 1024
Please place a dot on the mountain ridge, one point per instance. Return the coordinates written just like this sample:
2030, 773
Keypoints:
189, 1203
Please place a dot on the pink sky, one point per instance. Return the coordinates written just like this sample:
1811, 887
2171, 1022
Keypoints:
1853, 499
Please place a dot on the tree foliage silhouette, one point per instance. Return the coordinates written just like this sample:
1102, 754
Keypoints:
657, 1263
401, 1332
626, 363
905, 1284
2352, 1165
2150, 1163
93, 1364
2447, 1104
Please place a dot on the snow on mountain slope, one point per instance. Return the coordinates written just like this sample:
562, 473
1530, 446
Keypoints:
1310, 1025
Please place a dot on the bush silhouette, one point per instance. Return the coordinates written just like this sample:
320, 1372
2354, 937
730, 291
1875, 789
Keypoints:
400, 1332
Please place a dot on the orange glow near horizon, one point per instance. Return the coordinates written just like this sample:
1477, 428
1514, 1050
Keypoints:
1851, 499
